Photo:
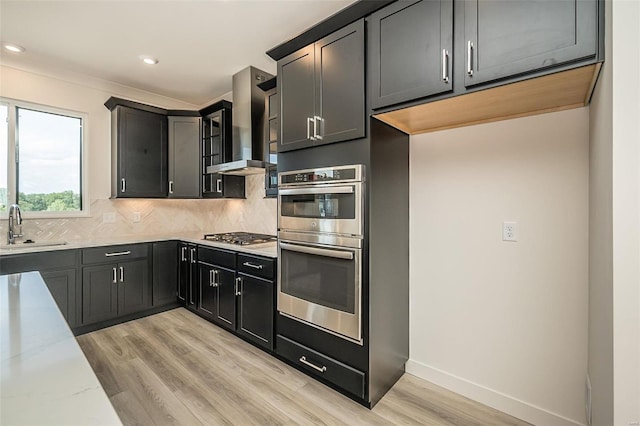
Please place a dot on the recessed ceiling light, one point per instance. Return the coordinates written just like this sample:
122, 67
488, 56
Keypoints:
149, 60
13, 47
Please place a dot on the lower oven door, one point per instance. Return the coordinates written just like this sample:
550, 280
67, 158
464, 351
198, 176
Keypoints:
321, 285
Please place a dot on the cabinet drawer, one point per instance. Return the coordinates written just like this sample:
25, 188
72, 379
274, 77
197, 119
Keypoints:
320, 365
114, 253
226, 259
257, 266
14, 264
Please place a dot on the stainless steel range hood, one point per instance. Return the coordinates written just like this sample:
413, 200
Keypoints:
248, 125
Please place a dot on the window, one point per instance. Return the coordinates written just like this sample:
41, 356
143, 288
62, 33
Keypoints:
44, 165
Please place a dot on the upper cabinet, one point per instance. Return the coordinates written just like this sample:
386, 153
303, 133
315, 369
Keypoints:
184, 157
322, 91
507, 38
411, 51
139, 153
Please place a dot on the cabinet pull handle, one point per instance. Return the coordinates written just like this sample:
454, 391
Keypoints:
211, 281
445, 66
216, 278
182, 254
252, 265
470, 57
309, 120
121, 274
317, 128
303, 359
170, 187
115, 277
193, 255
118, 253
238, 286
219, 186
123, 185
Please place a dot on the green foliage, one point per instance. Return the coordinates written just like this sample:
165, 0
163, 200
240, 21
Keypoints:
3, 199
53, 202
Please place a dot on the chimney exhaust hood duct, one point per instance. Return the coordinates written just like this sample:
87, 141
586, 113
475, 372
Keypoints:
248, 125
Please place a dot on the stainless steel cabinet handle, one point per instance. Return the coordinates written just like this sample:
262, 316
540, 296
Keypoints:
317, 251
252, 265
219, 186
193, 255
119, 253
121, 274
123, 185
445, 66
211, 281
470, 57
115, 277
310, 120
216, 278
303, 359
238, 286
182, 254
170, 187
320, 189
316, 127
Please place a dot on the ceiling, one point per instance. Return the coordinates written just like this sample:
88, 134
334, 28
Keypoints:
200, 44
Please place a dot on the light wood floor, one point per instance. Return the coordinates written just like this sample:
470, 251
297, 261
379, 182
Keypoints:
176, 368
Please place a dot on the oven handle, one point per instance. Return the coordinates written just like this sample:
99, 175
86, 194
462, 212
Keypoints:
318, 251
317, 190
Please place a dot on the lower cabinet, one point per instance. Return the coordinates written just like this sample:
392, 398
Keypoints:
165, 273
234, 299
188, 275
62, 286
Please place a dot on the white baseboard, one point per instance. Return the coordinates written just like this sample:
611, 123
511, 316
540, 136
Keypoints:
505, 403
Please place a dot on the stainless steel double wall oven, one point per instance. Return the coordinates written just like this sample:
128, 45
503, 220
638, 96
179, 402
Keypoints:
321, 232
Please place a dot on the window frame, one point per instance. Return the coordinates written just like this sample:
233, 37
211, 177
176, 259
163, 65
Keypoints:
12, 169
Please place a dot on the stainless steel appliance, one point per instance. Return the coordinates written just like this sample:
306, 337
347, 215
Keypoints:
321, 232
240, 238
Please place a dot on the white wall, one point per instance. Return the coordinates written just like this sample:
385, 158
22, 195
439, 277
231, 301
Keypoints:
504, 323
87, 95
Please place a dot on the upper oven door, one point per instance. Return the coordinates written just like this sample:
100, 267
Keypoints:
332, 209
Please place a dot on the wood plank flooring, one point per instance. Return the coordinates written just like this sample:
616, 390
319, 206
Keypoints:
176, 368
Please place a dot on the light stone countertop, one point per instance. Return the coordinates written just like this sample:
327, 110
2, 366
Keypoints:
265, 249
45, 377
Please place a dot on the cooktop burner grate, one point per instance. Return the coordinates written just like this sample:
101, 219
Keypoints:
240, 238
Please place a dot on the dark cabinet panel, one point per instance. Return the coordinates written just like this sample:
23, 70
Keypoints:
505, 38
165, 273
226, 298
208, 292
141, 153
411, 51
62, 286
256, 310
297, 104
134, 291
184, 272
99, 293
191, 277
339, 99
184, 157
216, 185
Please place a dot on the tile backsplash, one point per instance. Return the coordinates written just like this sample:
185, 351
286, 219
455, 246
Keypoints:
164, 216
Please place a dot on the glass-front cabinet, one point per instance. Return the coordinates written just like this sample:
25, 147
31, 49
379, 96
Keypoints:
271, 136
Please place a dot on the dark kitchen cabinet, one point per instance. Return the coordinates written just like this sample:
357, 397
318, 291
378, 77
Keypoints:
184, 157
62, 286
218, 284
223, 186
188, 275
115, 282
271, 135
255, 309
322, 91
165, 273
411, 51
139, 153
506, 38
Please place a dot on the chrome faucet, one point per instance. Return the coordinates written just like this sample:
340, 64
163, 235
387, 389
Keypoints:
15, 217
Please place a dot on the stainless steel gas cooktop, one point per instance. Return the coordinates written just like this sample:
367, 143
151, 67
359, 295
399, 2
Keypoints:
240, 238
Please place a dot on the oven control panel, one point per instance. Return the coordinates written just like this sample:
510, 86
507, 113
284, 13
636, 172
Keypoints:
347, 173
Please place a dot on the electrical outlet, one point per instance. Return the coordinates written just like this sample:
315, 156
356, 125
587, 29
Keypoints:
509, 231
108, 218
136, 217
587, 399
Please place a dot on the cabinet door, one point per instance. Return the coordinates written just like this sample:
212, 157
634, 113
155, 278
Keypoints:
99, 293
62, 286
183, 273
411, 46
226, 298
165, 273
184, 157
192, 280
142, 153
255, 310
134, 289
506, 38
207, 282
297, 104
339, 85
